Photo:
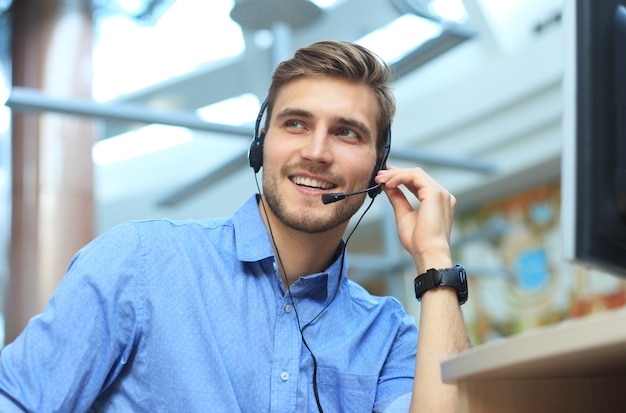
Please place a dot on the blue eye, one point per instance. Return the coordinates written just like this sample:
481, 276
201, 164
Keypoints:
348, 132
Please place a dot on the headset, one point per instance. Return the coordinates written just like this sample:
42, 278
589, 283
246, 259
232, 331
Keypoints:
255, 159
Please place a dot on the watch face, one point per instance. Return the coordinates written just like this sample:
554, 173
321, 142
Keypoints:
463, 276
463, 291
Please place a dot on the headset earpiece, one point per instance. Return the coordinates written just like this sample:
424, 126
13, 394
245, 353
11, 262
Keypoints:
381, 163
255, 153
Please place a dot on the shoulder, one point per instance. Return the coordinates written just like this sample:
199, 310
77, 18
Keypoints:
166, 226
386, 306
364, 298
132, 240
159, 230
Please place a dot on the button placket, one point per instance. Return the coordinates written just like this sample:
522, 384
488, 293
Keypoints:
287, 348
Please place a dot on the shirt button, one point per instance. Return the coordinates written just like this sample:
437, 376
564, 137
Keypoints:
288, 309
284, 376
274, 265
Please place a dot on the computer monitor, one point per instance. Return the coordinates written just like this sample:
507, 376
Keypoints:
594, 125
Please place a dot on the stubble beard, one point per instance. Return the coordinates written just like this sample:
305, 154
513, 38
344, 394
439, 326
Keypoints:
305, 220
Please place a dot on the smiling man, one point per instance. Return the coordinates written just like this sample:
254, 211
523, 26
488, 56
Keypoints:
321, 138
255, 312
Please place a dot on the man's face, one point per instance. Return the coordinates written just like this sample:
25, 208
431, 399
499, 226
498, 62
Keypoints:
321, 139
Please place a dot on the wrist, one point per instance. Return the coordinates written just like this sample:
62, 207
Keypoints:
432, 260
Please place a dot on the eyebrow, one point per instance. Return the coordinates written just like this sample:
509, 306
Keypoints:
287, 112
354, 124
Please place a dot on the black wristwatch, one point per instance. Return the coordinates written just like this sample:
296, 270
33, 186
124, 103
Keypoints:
454, 277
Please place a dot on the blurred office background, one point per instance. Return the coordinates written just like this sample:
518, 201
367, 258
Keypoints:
132, 109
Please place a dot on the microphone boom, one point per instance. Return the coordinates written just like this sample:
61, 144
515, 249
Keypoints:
338, 196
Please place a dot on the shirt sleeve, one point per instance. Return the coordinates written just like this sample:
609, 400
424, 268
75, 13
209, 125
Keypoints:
70, 353
395, 383
400, 405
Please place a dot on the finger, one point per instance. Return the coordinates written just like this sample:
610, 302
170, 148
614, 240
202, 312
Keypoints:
410, 177
398, 200
417, 181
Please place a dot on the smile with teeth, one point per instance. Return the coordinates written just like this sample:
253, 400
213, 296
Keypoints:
311, 183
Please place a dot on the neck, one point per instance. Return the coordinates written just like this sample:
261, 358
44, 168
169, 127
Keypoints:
300, 253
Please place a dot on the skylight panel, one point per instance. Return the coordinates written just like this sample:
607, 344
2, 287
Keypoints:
452, 10
235, 111
394, 40
129, 56
129, 145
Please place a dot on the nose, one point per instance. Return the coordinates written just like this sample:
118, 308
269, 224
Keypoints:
318, 147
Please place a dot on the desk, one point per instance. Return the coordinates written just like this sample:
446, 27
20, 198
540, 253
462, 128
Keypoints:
576, 366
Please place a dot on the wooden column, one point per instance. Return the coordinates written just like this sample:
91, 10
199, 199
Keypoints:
52, 208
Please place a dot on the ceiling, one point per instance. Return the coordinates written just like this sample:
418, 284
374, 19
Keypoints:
479, 107
461, 110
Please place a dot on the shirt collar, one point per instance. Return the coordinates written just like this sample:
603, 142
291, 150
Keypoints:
254, 244
323, 286
252, 240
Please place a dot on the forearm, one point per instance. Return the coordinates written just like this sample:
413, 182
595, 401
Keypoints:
442, 334
425, 234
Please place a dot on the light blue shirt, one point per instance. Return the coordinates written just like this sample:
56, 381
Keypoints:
160, 316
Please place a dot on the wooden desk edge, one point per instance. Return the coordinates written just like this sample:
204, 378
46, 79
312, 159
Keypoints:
532, 353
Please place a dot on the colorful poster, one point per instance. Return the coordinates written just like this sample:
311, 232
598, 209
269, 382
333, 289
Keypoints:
518, 277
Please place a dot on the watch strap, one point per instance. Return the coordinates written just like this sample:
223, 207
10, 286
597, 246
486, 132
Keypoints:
454, 277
